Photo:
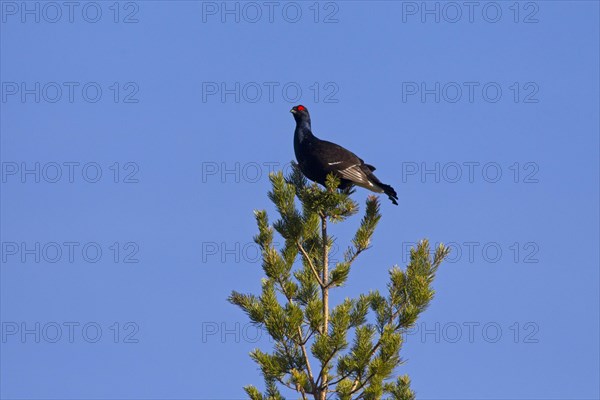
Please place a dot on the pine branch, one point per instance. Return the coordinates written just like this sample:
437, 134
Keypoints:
310, 263
371, 353
302, 343
307, 361
287, 385
327, 360
303, 393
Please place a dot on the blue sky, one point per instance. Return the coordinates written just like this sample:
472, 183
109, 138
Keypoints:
136, 140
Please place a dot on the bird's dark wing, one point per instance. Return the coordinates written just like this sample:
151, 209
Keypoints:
347, 165
334, 153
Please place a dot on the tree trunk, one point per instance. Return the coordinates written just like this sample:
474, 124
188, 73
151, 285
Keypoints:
325, 294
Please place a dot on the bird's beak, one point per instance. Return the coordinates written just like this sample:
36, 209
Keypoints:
293, 111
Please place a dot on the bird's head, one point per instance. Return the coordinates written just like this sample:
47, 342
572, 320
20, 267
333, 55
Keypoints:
300, 113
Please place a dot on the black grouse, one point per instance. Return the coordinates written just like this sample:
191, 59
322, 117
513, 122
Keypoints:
317, 158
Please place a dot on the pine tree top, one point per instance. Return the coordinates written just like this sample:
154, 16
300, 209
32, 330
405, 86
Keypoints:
351, 350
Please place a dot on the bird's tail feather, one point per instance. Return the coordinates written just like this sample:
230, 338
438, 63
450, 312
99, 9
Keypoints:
391, 193
387, 189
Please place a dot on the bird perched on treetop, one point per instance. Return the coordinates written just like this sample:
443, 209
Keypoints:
317, 158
